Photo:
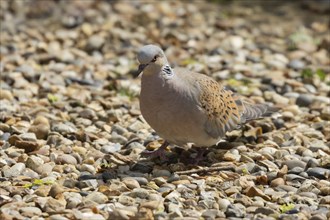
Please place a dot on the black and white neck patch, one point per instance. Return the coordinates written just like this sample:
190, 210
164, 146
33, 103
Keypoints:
167, 70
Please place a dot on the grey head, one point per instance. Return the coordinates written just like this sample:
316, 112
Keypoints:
152, 59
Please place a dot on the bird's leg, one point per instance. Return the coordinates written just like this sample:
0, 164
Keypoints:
160, 152
200, 156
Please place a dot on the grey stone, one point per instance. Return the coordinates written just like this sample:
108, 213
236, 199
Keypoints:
30, 173
265, 211
126, 200
296, 170
88, 167
294, 163
30, 211
318, 172
296, 64
53, 205
28, 137
223, 204
142, 167
319, 217
312, 163
116, 138
64, 128
304, 100
233, 211
174, 210
211, 214
97, 197
110, 148
33, 162
88, 183
66, 159
131, 183
139, 193
15, 170
70, 183
141, 180
310, 88
161, 173
95, 42
57, 217
87, 113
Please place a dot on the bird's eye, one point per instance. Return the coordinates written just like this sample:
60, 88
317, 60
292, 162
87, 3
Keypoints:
154, 59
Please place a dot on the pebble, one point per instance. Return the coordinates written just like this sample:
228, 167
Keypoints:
88, 168
295, 163
55, 190
34, 162
318, 217
64, 128
30, 211
14, 171
254, 191
51, 205
6, 94
92, 183
223, 204
57, 217
141, 180
278, 99
319, 172
161, 173
66, 159
73, 199
236, 42
97, 197
87, 113
266, 211
277, 182
304, 100
41, 131
211, 214
28, 137
233, 211
160, 181
95, 42
43, 190
294, 177
139, 193
110, 148
71, 125
131, 183
296, 64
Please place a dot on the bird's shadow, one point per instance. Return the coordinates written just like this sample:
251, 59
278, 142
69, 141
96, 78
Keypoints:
180, 159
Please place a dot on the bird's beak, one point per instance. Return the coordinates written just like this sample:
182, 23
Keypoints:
139, 71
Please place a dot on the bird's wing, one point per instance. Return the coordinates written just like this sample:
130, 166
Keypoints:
225, 111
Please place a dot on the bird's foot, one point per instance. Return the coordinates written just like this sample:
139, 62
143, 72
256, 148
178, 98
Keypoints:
160, 152
200, 156
197, 159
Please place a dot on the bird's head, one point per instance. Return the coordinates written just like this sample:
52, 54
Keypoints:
151, 59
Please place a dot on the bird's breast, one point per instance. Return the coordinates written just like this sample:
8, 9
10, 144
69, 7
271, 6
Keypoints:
172, 112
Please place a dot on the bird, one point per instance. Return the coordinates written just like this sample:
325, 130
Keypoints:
185, 107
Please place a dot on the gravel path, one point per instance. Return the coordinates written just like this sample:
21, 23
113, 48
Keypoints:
71, 132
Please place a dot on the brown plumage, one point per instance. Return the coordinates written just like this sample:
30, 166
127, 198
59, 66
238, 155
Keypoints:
225, 110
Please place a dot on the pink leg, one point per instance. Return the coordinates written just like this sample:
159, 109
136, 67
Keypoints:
200, 156
160, 152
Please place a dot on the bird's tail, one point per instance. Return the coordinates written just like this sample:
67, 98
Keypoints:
250, 111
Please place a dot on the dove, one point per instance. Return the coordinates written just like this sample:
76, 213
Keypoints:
184, 107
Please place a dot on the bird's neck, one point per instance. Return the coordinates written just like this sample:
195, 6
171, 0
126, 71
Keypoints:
151, 70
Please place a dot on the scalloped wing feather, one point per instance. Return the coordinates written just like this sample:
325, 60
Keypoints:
225, 110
